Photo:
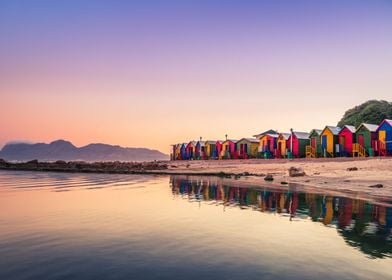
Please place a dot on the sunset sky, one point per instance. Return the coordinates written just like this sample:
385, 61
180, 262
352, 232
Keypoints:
153, 73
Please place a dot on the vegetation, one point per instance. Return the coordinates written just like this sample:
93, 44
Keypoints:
372, 111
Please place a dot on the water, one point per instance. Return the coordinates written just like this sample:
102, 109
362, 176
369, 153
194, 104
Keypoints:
95, 226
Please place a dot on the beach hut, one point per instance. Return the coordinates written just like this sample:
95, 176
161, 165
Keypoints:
247, 148
177, 152
314, 149
183, 154
209, 149
297, 143
268, 145
229, 149
384, 132
365, 140
200, 150
282, 144
330, 141
218, 149
190, 150
346, 140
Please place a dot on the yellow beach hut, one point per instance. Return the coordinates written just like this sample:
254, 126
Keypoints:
330, 141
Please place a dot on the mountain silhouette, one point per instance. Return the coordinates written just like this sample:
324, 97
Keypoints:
65, 150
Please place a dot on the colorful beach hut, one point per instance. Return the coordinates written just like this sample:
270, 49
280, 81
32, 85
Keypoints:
346, 140
314, 149
330, 141
183, 153
247, 148
190, 150
229, 149
282, 144
177, 152
209, 149
270, 131
200, 150
297, 143
365, 140
218, 150
384, 132
268, 145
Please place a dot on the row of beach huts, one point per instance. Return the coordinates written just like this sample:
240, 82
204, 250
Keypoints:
348, 141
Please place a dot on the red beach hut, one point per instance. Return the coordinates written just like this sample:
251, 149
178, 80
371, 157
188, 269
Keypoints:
346, 140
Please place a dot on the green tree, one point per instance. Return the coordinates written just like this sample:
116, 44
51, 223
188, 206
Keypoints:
372, 111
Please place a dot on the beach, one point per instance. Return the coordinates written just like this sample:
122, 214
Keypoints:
331, 174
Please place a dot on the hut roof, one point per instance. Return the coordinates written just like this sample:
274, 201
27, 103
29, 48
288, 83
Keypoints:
231, 140
285, 135
351, 128
334, 129
210, 142
252, 140
387, 121
270, 131
273, 135
301, 135
368, 126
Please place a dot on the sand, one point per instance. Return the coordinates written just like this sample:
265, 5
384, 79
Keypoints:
330, 175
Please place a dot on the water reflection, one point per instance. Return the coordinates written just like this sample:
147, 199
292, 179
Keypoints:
363, 225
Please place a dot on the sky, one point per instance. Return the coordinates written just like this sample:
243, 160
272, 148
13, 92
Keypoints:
154, 73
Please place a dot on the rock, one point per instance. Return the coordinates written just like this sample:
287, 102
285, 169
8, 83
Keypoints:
352, 169
296, 172
378, 186
269, 177
284, 183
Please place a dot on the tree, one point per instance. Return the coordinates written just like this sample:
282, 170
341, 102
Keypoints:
372, 111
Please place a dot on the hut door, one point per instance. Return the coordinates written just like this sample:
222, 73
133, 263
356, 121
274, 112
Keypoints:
343, 143
314, 142
324, 142
361, 140
382, 135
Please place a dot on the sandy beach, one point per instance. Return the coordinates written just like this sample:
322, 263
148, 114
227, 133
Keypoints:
321, 174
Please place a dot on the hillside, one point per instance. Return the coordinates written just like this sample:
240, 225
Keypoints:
65, 150
372, 111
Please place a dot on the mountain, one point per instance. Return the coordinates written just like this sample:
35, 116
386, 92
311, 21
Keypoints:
65, 150
372, 111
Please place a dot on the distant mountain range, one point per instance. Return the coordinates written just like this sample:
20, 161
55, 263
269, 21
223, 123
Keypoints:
65, 150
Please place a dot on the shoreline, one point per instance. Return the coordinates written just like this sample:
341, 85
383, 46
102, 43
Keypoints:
331, 174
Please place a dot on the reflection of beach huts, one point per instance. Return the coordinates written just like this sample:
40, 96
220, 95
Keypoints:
384, 132
365, 140
282, 144
346, 140
268, 145
247, 148
210, 149
229, 149
190, 150
314, 149
297, 143
330, 141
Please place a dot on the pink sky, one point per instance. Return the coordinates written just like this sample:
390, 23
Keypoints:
149, 76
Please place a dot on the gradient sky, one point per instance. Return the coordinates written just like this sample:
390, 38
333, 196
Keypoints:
152, 73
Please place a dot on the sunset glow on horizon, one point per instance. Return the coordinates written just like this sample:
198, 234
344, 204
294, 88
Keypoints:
154, 73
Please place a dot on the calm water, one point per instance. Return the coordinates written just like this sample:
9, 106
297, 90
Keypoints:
75, 226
